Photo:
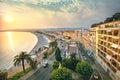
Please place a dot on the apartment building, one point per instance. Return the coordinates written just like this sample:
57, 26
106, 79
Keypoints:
92, 39
78, 35
108, 47
70, 34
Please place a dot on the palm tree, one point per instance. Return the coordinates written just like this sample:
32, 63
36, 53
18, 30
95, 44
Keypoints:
18, 59
53, 44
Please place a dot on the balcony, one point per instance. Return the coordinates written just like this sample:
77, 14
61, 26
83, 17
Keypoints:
118, 66
118, 58
114, 47
109, 52
109, 39
115, 41
113, 62
115, 32
109, 32
108, 26
114, 56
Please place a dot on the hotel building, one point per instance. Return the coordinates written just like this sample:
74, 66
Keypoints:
108, 47
92, 39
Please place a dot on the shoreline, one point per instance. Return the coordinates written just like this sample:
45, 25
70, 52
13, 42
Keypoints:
11, 66
13, 70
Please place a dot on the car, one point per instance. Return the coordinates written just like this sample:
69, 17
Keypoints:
45, 64
84, 57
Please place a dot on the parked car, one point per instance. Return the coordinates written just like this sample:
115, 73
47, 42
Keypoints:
45, 63
84, 57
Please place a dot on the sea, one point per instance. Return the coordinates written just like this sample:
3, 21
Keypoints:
12, 43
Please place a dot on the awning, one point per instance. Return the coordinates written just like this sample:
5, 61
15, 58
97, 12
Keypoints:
114, 46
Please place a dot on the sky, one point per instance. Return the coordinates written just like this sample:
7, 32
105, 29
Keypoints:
30, 14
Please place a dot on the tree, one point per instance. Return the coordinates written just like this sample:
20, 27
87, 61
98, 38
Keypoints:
116, 16
84, 69
61, 74
3, 75
67, 62
74, 61
108, 20
73, 56
53, 44
58, 55
18, 59
70, 62
36, 53
45, 55
55, 65
33, 64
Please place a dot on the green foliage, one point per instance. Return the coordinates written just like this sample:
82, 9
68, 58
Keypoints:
55, 65
20, 74
3, 75
70, 62
61, 74
58, 55
51, 51
18, 59
53, 44
33, 64
84, 69
45, 55
67, 62
73, 56
115, 17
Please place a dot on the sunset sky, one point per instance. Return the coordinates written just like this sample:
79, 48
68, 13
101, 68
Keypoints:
22, 14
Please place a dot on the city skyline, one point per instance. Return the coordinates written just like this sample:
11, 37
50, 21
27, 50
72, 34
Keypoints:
20, 14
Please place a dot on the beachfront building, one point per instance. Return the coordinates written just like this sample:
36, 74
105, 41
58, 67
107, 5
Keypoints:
69, 34
85, 39
108, 47
92, 39
78, 35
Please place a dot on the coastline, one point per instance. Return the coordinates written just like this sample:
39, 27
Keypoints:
14, 69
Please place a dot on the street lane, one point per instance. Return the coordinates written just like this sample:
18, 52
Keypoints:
94, 64
43, 73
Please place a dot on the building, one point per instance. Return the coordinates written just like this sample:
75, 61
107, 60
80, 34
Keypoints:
72, 48
92, 39
85, 39
78, 35
69, 34
108, 47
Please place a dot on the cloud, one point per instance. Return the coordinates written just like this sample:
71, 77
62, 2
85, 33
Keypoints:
57, 13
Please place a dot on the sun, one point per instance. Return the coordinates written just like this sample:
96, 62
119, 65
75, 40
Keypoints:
8, 18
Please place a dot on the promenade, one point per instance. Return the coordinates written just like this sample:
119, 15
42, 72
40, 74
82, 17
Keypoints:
38, 58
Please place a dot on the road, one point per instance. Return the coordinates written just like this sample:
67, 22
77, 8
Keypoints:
94, 64
43, 73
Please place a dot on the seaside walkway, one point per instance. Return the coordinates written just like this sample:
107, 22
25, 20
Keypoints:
17, 69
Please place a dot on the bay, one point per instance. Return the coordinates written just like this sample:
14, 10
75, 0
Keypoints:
12, 43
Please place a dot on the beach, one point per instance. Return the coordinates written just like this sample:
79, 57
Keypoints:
42, 40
